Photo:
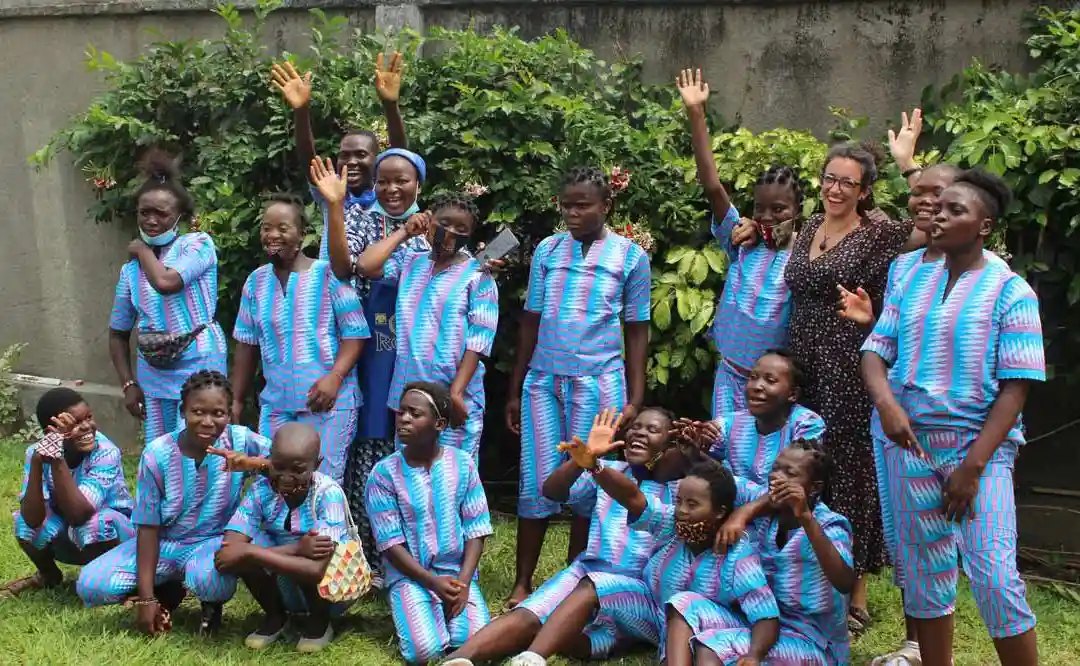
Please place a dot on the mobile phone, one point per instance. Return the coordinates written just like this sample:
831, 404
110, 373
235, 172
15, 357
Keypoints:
503, 244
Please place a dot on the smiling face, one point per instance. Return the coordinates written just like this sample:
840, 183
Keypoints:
842, 187
584, 209
771, 390
82, 437
926, 195
416, 421
206, 413
294, 457
396, 184
157, 212
279, 231
647, 437
358, 152
962, 220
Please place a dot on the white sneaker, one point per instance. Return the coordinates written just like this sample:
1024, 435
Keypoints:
458, 662
528, 659
257, 641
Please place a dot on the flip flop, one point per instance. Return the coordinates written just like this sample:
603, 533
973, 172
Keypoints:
858, 621
28, 583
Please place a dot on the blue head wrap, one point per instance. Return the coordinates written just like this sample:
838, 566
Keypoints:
414, 159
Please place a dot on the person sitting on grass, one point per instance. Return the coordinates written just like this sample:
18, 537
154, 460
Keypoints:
190, 483
430, 518
281, 538
74, 504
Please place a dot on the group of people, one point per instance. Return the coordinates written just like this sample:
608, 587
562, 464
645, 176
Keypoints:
866, 408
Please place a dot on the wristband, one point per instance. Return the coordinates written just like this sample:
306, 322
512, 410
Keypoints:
128, 384
597, 468
908, 173
145, 602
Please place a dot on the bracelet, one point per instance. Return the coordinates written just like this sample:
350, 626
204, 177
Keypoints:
910, 172
145, 602
597, 468
338, 375
128, 384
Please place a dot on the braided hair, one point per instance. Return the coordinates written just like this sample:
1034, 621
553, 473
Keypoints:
458, 200
162, 173
779, 174
205, 379
821, 461
721, 483
589, 176
990, 188
293, 201
798, 369
868, 155
439, 393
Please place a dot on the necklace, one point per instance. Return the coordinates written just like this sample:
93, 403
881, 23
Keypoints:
824, 244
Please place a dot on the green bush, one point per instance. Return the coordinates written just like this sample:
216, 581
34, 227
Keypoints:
1024, 127
491, 109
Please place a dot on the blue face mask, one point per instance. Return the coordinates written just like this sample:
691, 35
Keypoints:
411, 210
163, 239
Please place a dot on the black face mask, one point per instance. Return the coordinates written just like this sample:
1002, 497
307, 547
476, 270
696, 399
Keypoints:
439, 239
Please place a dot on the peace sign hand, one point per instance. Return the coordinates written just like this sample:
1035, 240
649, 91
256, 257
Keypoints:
388, 79
295, 90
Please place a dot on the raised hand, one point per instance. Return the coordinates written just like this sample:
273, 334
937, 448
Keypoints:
332, 186
388, 79
855, 306
579, 452
295, 89
604, 426
62, 424
417, 224
902, 143
692, 88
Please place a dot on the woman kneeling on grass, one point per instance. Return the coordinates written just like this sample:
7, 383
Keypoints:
74, 504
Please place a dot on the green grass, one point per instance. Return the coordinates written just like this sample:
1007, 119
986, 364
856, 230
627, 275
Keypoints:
52, 627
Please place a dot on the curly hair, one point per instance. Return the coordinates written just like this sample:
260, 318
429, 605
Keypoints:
202, 380
779, 174
590, 176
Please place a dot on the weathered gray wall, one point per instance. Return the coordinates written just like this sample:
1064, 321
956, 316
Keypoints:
772, 63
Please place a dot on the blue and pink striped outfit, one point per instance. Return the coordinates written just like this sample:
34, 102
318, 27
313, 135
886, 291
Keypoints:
100, 479
298, 329
262, 517
613, 561
353, 204
431, 513
576, 370
948, 354
752, 315
748, 453
813, 614
720, 596
439, 317
190, 503
138, 306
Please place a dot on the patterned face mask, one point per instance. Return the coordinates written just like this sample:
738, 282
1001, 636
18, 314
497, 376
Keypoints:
776, 235
695, 533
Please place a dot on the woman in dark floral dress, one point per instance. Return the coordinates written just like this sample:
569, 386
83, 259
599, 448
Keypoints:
844, 246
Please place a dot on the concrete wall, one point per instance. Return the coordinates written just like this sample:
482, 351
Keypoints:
770, 63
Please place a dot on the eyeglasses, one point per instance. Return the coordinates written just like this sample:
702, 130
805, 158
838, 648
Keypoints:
828, 180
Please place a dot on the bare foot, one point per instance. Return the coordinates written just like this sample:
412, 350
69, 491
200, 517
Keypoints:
517, 595
37, 581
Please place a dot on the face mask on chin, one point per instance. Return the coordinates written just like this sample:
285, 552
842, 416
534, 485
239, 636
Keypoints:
162, 239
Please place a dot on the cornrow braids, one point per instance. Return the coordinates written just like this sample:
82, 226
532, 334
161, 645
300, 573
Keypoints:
722, 489
289, 199
458, 200
591, 176
821, 460
439, 393
205, 379
780, 174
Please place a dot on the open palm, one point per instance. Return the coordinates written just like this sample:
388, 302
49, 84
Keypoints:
388, 78
692, 87
295, 89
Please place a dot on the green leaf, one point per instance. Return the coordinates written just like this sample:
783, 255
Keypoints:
663, 358
676, 254
699, 269
678, 357
1047, 176
1074, 290
703, 318
661, 375
717, 259
682, 301
661, 315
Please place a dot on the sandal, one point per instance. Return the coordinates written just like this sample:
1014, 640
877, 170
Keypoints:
34, 582
907, 655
